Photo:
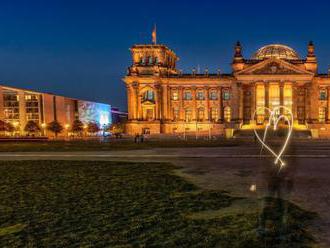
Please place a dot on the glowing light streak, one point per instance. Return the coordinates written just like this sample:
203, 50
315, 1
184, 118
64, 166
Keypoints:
274, 119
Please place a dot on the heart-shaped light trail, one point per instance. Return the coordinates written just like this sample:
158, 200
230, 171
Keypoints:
273, 121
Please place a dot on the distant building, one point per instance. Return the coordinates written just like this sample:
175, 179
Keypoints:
161, 99
118, 116
18, 106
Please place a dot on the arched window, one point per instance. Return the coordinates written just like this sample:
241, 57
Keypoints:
200, 114
227, 114
149, 96
187, 114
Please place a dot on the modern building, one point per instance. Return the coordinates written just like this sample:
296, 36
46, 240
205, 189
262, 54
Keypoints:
162, 99
18, 106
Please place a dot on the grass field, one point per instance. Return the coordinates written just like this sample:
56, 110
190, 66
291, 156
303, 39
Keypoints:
112, 145
114, 204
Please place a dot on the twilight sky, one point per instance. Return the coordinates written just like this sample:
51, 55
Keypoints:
80, 48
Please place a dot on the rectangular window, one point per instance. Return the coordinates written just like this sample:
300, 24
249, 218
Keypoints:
226, 95
175, 95
213, 95
214, 114
323, 95
322, 112
187, 95
200, 95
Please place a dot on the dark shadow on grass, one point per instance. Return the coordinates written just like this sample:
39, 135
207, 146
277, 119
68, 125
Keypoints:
114, 204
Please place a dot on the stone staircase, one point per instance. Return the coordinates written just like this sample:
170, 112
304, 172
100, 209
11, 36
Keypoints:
297, 133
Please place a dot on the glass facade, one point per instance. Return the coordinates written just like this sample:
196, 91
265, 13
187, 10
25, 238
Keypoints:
11, 106
32, 107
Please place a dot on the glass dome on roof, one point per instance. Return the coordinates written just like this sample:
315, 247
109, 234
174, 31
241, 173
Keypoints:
276, 51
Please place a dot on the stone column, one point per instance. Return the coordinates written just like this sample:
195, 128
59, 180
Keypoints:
182, 117
266, 84
307, 103
130, 102
221, 112
253, 104
2, 115
194, 95
281, 85
139, 114
22, 110
164, 106
158, 102
328, 104
294, 102
235, 101
207, 92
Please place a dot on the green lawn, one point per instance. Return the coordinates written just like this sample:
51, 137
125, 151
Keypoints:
112, 145
113, 204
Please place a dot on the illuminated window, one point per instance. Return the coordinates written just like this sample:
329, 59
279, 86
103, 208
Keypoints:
260, 97
149, 114
200, 95
149, 96
187, 95
227, 114
287, 95
175, 95
274, 96
214, 114
150, 60
187, 115
143, 60
200, 114
322, 113
175, 113
156, 60
213, 95
323, 95
226, 95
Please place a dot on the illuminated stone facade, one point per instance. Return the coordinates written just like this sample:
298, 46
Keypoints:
162, 99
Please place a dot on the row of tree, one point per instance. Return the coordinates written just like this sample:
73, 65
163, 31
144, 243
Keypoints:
56, 127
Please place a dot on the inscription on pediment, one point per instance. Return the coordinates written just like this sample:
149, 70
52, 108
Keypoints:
274, 68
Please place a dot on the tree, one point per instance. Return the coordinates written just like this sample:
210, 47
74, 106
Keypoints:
6, 126
77, 127
93, 127
55, 127
31, 127
117, 129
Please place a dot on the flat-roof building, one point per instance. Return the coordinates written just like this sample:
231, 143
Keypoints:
18, 106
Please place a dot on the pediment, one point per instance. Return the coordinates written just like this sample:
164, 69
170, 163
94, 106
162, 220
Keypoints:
274, 66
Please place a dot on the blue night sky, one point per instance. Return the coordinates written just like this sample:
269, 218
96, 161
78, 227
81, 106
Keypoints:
80, 48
